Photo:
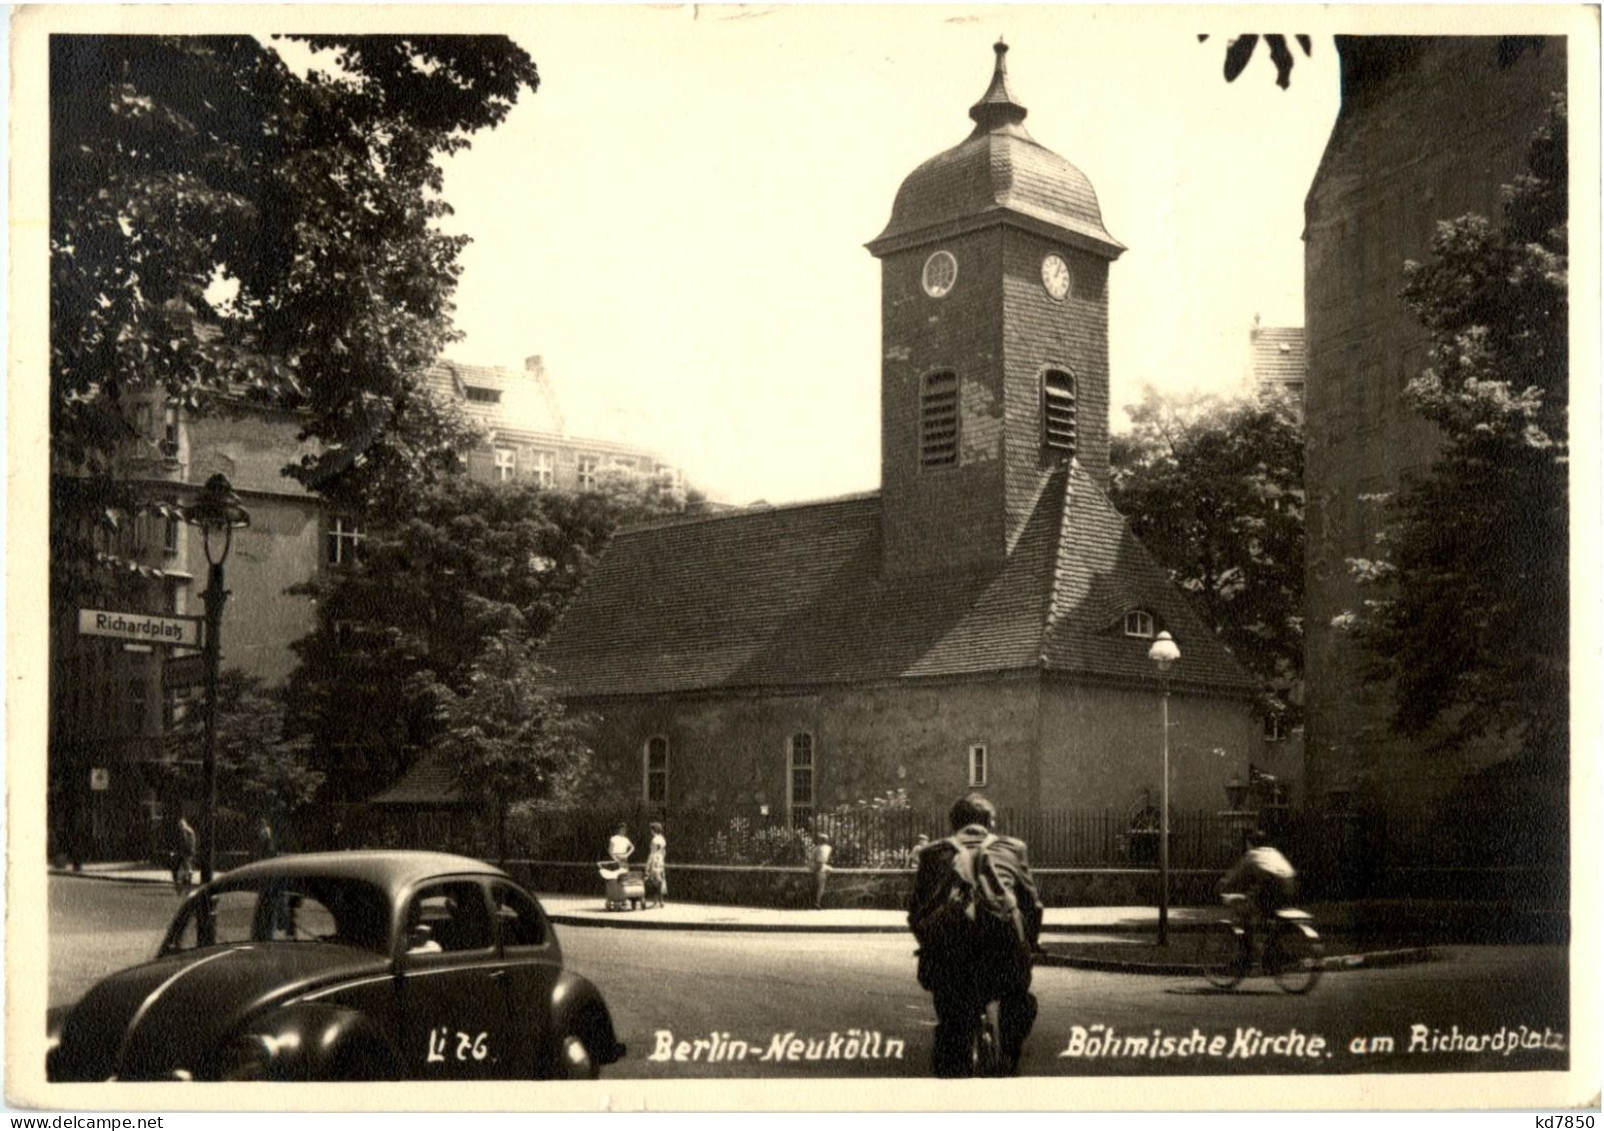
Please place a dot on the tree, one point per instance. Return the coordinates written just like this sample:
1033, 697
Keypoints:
399, 631
1214, 489
224, 228
1468, 614
260, 771
509, 739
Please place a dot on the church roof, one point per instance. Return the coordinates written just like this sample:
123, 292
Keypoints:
1279, 355
998, 173
793, 596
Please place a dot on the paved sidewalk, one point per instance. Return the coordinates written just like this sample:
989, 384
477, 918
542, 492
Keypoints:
591, 911
1071, 936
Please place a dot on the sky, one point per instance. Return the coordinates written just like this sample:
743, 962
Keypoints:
675, 222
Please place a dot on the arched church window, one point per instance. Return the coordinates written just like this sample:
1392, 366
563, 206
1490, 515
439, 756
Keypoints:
655, 790
1058, 411
938, 419
799, 779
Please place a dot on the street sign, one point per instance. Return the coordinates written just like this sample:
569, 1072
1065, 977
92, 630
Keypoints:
179, 672
99, 778
143, 627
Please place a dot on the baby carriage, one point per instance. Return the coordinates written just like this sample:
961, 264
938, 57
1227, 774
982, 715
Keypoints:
626, 889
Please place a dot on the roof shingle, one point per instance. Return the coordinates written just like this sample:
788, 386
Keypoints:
793, 596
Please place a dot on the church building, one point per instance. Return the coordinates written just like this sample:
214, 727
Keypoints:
984, 619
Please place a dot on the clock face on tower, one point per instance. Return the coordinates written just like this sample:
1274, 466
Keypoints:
940, 273
1055, 277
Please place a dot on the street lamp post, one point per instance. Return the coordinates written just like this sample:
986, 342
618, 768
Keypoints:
1164, 653
218, 513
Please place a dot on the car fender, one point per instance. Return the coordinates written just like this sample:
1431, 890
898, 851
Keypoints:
310, 1041
577, 1008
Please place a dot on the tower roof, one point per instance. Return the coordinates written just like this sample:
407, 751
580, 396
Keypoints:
998, 174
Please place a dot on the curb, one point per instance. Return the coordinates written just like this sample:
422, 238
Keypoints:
1330, 964
113, 877
632, 924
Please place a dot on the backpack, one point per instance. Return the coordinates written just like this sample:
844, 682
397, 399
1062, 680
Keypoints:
973, 913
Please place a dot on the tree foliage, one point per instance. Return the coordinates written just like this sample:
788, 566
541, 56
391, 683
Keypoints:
260, 771
1468, 615
1214, 489
1239, 52
399, 631
223, 227
508, 738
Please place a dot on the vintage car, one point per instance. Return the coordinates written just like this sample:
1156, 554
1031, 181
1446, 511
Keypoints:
346, 966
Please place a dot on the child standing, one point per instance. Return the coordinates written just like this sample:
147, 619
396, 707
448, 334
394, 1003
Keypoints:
821, 867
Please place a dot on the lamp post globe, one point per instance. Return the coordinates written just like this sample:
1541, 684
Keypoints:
216, 510
1165, 654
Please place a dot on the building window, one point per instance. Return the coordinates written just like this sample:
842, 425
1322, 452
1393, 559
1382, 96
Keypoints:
506, 464
345, 537
137, 719
480, 395
1139, 622
799, 780
545, 468
1275, 727
656, 772
169, 441
588, 467
977, 765
1058, 410
938, 420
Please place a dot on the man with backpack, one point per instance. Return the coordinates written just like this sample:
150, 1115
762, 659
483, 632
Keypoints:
977, 915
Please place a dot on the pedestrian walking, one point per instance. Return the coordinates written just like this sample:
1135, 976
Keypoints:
264, 840
657, 866
820, 862
185, 847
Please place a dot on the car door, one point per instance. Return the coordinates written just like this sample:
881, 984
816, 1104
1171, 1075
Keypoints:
533, 962
451, 987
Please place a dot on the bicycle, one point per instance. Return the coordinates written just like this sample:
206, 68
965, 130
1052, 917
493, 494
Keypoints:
1290, 951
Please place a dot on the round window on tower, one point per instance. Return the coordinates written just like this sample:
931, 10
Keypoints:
941, 272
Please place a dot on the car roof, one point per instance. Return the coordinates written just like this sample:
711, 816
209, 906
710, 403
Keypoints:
388, 869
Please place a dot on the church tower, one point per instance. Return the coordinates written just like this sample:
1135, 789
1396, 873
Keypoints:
994, 341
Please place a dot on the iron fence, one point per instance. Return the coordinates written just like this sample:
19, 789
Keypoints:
860, 838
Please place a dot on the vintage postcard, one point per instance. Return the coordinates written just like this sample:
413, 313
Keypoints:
575, 557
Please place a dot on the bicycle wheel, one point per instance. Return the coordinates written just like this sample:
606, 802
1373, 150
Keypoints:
1294, 957
986, 1057
1224, 958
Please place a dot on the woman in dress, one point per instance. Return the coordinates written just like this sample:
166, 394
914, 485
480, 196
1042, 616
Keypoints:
657, 866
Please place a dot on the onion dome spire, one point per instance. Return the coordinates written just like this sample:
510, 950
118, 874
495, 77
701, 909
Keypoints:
997, 108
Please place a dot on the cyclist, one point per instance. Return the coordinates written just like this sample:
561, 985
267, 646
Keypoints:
969, 961
1265, 877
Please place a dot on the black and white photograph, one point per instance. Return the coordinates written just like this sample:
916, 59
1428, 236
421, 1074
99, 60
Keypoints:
802, 558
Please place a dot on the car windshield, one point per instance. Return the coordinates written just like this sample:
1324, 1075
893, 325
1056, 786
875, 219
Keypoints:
300, 909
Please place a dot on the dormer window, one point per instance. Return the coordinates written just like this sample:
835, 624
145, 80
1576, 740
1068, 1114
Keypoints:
938, 420
1139, 622
481, 395
1058, 412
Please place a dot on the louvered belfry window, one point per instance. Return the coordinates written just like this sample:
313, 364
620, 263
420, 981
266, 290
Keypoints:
938, 420
1058, 410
